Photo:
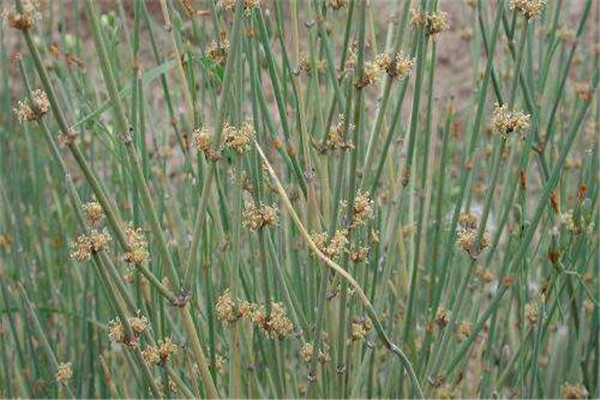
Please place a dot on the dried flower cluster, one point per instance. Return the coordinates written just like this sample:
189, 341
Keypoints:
465, 330
335, 247
336, 4
276, 326
433, 23
172, 386
505, 122
306, 352
398, 66
360, 329
531, 9
217, 51
442, 316
363, 209
202, 139
64, 373
160, 353
117, 333
575, 223
26, 111
94, 213
229, 5
531, 312
238, 139
467, 235
22, 20
138, 247
138, 324
226, 308
359, 254
86, 245
574, 391
465, 33
566, 34
305, 65
257, 217
336, 139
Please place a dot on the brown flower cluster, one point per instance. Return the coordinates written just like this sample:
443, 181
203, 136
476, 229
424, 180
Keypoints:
160, 353
94, 213
64, 373
202, 139
32, 112
217, 51
574, 391
229, 5
86, 245
305, 65
336, 139
442, 316
23, 20
464, 331
363, 209
531, 9
336, 4
117, 333
335, 247
238, 139
255, 217
531, 313
360, 329
226, 308
433, 23
468, 234
398, 66
276, 325
306, 352
138, 247
504, 121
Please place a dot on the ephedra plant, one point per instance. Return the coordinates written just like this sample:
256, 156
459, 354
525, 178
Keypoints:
322, 199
